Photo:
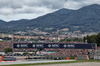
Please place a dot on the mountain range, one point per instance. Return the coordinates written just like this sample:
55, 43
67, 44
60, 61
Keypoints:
85, 19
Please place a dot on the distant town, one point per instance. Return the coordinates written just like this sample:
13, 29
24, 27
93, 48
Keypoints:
37, 35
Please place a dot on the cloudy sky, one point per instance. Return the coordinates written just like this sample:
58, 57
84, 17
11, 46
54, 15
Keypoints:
30, 9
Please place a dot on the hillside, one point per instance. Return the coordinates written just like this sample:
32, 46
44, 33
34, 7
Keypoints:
85, 19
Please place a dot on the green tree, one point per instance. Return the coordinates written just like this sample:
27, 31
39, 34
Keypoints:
68, 40
88, 39
8, 50
84, 39
35, 52
6, 38
78, 39
31, 39
94, 39
98, 39
91, 39
22, 39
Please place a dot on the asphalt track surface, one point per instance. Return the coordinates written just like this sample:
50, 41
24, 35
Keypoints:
31, 61
74, 64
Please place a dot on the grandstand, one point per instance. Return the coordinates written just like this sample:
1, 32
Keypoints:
48, 52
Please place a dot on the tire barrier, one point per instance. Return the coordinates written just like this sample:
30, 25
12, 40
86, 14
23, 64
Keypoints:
53, 58
75, 58
67, 58
3, 58
57, 58
9, 59
82, 57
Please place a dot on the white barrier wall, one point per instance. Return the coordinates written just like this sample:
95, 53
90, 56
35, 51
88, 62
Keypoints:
82, 57
97, 57
2, 53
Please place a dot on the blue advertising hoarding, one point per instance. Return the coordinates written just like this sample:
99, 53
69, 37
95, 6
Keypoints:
55, 45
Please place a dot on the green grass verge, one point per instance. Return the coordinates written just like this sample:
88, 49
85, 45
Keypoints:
77, 61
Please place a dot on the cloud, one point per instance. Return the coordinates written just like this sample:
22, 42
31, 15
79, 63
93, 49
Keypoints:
29, 6
27, 9
76, 4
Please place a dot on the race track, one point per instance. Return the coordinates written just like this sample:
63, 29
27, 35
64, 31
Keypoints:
31, 61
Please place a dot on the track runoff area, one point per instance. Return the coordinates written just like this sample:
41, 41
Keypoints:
12, 60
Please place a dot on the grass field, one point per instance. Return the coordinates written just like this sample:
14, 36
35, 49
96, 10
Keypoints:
77, 61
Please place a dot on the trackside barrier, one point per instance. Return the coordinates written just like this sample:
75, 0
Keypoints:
48, 58
9, 59
75, 58
82, 57
87, 58
67, 58
3, 58
97, 57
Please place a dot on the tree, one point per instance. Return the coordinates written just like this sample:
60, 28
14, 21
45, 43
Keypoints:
88, 39
8, 50
6, 38
68, 40
35, 51
84, 39
78, 39
93, 39
98, 39
25, 53
22, 39
31, 39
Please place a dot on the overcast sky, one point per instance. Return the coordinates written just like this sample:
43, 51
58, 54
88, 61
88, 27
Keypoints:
30, 9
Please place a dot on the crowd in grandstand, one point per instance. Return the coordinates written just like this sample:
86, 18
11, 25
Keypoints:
7, 44
71, 52
58, 52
